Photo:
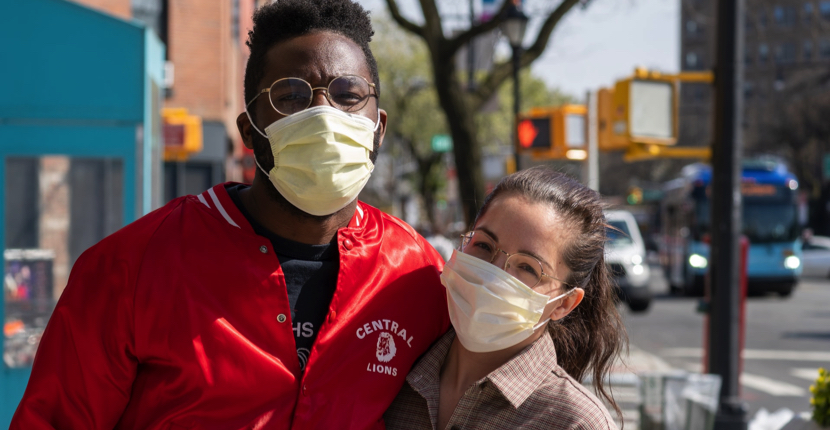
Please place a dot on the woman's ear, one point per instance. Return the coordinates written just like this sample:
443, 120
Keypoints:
568, 303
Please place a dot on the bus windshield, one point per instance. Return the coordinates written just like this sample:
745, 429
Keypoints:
762, 222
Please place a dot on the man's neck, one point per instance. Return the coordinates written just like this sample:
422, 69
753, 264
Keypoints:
279, 219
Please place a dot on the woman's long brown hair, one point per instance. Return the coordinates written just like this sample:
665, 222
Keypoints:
592, 336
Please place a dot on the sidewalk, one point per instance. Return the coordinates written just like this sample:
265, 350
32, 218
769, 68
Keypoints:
624, 383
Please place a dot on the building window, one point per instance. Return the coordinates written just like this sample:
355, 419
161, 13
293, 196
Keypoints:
747, 56
692, 62
762, 18
785, 53
763, 53
691, 28
784, 16
824, 9
808, 12
807, 52
824, 49
748, 89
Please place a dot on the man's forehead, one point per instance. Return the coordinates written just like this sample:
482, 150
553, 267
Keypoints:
316, 57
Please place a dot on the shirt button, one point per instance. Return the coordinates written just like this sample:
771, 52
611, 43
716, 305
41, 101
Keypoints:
281, 318
263, 249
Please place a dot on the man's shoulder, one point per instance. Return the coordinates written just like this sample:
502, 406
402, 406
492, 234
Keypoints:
396, 232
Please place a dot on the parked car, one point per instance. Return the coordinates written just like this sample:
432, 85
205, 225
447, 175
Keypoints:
625, 254
815, 258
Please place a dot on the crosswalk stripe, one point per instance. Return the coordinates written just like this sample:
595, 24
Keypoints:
754, 354
808, 373
771, 386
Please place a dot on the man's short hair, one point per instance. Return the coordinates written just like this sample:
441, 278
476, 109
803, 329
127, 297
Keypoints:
285, 19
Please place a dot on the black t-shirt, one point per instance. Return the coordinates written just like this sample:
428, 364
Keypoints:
310, 279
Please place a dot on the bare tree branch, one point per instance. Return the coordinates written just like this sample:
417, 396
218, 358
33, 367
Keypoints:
403, 22
462, 39
502, 71
433, 28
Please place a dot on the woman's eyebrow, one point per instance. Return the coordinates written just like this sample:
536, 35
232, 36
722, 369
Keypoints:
530, 253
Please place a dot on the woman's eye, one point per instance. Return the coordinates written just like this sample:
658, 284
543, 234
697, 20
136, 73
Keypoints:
528, 268
483, 245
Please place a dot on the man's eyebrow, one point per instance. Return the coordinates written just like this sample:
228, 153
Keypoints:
523, 251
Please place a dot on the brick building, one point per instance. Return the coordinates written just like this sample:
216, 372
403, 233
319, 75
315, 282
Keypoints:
206, 56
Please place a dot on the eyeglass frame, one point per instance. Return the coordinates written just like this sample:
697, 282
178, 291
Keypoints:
313, 89
469, 236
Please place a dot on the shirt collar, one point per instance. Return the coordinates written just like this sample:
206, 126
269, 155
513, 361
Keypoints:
523, 374
516, 380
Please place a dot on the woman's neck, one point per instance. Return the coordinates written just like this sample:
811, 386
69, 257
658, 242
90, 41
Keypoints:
462, 367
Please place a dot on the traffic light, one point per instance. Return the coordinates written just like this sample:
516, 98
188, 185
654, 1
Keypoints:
553, 133
641, 109
182, 134
635, 196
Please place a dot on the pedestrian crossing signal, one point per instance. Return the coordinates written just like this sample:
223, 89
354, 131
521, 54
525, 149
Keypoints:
534, 133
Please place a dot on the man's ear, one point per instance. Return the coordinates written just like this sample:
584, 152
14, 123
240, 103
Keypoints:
382, 126
243, 123
567, 304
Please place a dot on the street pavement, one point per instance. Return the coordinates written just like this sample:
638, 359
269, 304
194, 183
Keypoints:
787, 340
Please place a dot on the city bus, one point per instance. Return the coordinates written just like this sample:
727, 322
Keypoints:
770, 222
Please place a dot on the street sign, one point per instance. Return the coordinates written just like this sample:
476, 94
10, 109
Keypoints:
441, 143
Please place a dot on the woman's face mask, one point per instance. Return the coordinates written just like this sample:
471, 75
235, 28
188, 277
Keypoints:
490, 309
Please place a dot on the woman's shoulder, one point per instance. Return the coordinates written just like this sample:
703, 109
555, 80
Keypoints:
564, 396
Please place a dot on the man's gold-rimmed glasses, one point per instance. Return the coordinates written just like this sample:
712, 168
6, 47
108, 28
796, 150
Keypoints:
521, 266
349, 93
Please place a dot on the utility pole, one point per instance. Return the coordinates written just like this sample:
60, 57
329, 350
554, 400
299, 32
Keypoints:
726, 212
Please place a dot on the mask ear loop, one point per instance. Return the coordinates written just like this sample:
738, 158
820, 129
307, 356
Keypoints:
536, 327
251, 120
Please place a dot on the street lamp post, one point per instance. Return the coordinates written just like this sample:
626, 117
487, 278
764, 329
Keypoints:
514, 27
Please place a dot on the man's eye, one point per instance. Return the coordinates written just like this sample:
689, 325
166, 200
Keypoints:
347, 98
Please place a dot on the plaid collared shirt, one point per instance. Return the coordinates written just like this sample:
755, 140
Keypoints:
528, 392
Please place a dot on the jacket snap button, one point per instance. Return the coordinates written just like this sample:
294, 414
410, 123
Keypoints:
332, 316
348, 244
263, 249
281, 318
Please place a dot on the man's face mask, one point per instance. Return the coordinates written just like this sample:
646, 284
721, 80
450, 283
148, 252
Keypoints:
321, 157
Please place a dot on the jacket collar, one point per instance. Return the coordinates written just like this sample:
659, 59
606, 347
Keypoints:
217, 200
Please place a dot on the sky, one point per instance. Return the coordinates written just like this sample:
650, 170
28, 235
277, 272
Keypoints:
593, 47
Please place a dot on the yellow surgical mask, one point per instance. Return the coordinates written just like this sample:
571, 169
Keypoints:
490, 309
321, 157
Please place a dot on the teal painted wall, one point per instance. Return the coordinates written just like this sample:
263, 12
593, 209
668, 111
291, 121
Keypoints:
80, 83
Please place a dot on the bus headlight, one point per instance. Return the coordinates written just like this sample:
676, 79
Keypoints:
698, 261
792, 262
636, 259
637, 269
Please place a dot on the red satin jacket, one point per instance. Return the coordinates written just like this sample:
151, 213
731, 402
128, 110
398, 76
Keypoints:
181, 321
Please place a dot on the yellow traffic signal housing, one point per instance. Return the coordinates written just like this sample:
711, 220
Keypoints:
607, 140
644, 110
553, 133
182, 134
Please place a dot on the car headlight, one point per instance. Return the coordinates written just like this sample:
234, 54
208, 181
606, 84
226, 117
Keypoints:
636, 259
698, 261
792, 262
637, 269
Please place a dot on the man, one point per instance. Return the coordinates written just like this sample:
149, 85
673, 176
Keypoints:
284, 304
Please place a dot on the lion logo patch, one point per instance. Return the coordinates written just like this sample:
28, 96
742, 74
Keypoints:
386, 347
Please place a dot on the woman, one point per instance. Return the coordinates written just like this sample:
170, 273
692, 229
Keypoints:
533, 310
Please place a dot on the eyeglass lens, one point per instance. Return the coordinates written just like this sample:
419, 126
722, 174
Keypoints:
521, 266
347, 93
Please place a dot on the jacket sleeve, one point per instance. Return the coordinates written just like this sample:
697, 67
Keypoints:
85, 364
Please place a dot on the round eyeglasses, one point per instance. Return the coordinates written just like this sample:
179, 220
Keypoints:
348, 93
521, 266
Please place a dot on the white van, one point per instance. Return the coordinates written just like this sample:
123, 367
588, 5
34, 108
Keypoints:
625, 254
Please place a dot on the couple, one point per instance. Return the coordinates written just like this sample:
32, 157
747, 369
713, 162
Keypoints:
289, 304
